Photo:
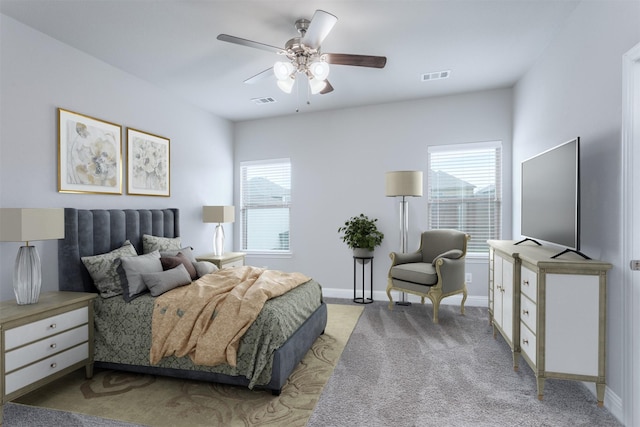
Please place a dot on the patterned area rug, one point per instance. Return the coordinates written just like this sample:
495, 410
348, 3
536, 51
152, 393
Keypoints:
162, 401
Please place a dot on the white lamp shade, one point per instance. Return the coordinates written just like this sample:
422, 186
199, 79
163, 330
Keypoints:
283, 70
320, 70
23, 225
219, 214
286, 85
316, 85
404, 183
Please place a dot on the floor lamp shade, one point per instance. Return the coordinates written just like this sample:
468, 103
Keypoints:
404, 183
24, 225
219, 214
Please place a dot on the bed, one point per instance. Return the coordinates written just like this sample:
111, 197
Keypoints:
123, 331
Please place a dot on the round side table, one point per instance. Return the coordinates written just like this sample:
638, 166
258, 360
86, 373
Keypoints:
364, 261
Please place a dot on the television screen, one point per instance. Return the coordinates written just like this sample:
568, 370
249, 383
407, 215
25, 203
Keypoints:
551, 196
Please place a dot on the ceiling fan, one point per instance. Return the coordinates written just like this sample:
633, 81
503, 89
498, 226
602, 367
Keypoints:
303, 55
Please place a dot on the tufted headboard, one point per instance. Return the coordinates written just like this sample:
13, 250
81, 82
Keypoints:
93, 232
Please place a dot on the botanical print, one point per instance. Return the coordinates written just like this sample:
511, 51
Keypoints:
148, 156
92, 156
89, 154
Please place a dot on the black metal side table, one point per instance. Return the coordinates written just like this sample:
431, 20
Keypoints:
364, 261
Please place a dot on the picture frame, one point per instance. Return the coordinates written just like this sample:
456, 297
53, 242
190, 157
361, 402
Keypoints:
148, 164
89, 154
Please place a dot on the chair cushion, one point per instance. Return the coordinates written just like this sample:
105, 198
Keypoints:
415, 272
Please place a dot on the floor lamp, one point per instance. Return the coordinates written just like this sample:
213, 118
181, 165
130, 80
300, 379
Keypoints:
404, 184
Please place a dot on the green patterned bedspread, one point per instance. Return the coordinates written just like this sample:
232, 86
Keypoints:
123, 333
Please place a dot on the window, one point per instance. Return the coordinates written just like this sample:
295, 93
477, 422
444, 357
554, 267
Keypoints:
464, 190
265, 204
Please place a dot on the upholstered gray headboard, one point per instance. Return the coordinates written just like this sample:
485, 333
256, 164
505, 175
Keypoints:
92, 232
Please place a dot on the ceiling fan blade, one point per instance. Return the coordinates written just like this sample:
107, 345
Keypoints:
248, 43
356, 60
319, 28
328, 88
261, 75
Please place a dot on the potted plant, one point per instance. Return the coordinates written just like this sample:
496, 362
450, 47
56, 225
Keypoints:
361, 234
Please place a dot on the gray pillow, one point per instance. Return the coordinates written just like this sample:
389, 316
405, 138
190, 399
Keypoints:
104, 269
187, 251
159, 283
155, 243
451, 254
132, 268
204, 267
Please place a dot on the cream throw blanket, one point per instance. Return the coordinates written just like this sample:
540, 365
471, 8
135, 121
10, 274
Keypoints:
207, 319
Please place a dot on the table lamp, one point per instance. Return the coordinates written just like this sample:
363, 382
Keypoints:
24, 225
219, 214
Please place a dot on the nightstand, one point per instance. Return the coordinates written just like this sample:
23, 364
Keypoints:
44, 341
228, 259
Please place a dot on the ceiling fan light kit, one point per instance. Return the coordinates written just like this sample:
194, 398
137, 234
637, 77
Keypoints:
304, 56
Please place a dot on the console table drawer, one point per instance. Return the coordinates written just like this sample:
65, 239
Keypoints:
528, 342
528, 312
23, 356
529, 284
32, 373
28, 333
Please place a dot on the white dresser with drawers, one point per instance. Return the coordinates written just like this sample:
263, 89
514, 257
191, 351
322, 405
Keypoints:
562, 314
44, 341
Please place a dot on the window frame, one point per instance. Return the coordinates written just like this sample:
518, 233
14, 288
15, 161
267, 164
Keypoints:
242, 209
498, 199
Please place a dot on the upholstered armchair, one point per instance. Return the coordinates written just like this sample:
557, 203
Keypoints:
435, 270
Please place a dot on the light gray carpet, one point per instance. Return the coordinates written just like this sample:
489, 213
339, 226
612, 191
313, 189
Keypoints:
17, 415
399, 369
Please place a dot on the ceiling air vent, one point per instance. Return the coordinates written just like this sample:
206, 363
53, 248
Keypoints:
266, 100
436, 75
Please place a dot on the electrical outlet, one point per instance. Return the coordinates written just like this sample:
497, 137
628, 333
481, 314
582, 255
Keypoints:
467, 278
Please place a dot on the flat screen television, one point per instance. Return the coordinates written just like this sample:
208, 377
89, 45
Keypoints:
551, 197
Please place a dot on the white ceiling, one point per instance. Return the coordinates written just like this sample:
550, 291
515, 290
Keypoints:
486, 44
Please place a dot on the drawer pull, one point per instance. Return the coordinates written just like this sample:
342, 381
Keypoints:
53, 326
525, 312
54, 345
526, 282
53, 365
524, 341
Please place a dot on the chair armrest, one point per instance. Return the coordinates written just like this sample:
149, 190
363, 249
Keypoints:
450, 254
451, 273
400, 258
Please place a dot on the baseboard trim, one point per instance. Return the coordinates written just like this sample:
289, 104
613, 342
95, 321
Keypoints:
472, 300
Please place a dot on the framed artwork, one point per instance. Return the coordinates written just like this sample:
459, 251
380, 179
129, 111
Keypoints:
89, 154
148, 165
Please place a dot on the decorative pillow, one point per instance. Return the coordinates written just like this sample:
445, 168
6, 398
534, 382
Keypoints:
159, 283
104, 269
451, 254
204, 267
156, 243
132, 268
187, 251
170, 262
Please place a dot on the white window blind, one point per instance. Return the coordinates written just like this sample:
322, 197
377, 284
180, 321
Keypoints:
464, 190
265, 203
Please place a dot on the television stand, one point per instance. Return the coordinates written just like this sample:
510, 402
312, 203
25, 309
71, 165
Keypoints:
570, 250
528, 239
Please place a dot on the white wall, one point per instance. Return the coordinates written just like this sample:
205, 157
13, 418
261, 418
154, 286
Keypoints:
575, 89
339, 159
39, 74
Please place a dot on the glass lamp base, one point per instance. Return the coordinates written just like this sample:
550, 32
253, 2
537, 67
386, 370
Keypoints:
218, 241
27, 276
